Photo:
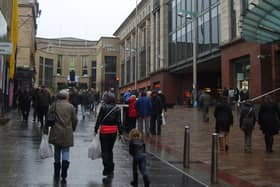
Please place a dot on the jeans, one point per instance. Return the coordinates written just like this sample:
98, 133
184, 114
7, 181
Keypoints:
84, 108
42, 113
140, 162
64, 151
248, 140
91, 107
107, 142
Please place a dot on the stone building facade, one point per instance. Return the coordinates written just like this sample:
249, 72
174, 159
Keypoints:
25, 61
156, 45
90, 60
164, 54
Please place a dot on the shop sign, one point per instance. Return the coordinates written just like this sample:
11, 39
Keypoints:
6, 48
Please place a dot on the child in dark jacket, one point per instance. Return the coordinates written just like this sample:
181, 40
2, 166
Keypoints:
138, 152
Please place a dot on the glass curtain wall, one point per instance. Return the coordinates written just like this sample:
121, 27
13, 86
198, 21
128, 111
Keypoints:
110, 72
180, 29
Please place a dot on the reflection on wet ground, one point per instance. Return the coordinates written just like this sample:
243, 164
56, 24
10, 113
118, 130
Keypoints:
21, 165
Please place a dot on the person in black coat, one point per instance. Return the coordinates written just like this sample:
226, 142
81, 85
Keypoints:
224, 119
25, 99
269, 121
109, 124
74, 98
247, 122
155, 120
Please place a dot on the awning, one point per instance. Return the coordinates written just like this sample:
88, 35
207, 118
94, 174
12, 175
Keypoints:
261, 24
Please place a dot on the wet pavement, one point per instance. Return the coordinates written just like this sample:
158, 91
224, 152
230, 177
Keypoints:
236, 168
20, 164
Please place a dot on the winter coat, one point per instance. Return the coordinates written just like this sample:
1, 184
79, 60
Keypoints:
74, 98
132, 112
61, 133
163, 101
113, 119
136, 147
143, 106
224, 117
156, 105
247, 111
25, 99
269, 118
84, 99
44, 98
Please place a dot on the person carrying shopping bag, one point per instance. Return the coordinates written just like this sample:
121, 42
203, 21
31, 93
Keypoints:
61, 134
109, 124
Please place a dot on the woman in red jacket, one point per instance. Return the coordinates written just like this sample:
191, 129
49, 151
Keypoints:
132, 113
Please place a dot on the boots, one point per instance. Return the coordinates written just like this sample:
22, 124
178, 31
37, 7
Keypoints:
57, 166
135, 180
65, 165
146, 181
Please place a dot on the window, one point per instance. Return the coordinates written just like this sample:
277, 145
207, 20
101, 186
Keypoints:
110, 72
93, 67
41, 68
72, 63
122, 74
48, 72
59, 65
84, 65
215, 31
128, 71
233, 19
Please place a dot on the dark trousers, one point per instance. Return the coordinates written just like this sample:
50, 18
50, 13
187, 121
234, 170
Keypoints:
132, 123
25, 112
155, 124
42, 114
139, 161
107, 142
268, 142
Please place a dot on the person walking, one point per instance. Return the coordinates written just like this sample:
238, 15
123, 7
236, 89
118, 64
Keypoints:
143, 106
269, 116
44, 101
138, 151
74, 98
247, 122
84, 100
132, 113
224, 119
204, 100
25, 99
35, 104
61, 134
156, 110
109, 124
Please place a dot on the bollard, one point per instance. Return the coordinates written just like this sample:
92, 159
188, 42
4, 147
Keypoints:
186, 156
214, 158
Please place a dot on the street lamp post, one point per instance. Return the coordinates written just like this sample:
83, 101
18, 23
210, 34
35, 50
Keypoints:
193, 16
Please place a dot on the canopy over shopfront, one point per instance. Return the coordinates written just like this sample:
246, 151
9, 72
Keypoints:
261, 23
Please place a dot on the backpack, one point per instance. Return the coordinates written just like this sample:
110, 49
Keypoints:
248, 121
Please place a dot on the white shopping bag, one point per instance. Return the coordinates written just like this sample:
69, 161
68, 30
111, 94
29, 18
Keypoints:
45, 150
163, 118
94, 150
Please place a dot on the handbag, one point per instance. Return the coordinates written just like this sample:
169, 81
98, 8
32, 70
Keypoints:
51, 117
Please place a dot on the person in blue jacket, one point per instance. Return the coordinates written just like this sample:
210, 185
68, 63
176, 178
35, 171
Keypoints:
143, 106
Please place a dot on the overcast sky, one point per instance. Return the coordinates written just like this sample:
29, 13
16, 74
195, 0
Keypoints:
85, 19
